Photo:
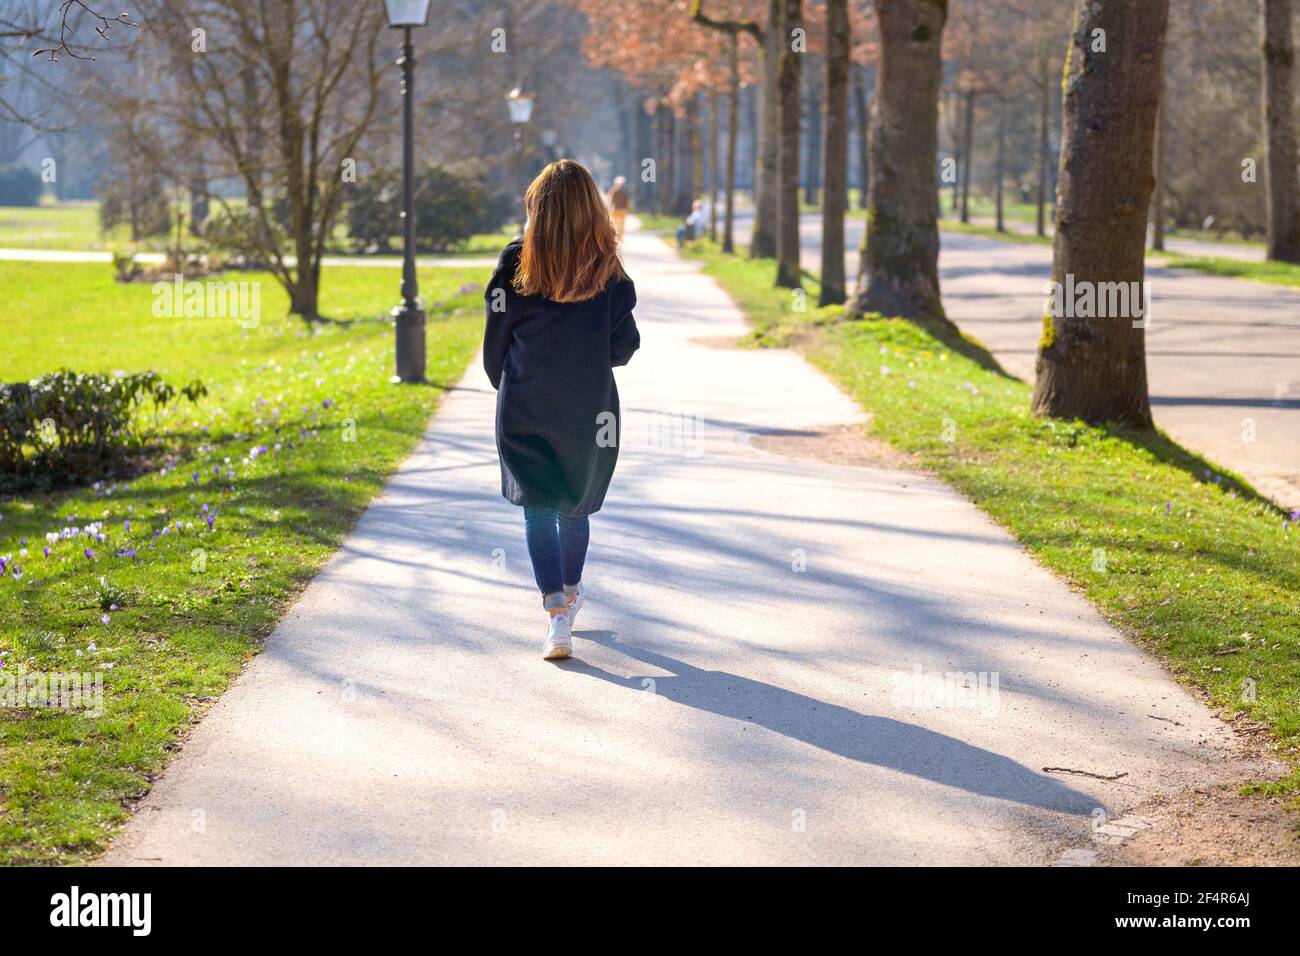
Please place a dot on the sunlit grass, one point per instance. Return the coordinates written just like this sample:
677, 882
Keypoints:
267, 456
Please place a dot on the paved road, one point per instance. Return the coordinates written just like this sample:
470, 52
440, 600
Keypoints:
1223, 355
722, 707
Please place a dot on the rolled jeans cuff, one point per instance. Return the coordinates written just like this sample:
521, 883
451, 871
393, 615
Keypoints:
554, 599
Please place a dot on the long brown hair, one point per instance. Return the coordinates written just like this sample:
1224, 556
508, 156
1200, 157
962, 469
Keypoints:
570, 251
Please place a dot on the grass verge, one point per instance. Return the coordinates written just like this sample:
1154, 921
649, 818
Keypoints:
1178, 553
1275, 273
140, 589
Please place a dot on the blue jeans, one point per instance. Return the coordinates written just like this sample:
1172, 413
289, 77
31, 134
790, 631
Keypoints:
557, 546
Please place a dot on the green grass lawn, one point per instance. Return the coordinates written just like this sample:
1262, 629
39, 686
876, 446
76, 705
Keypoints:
657, 222
166, 607
65, 226
1175, 551
75, 226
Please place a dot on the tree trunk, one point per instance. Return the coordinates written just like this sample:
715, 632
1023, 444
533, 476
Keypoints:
1158, 197
733, 116
1044, 110
252, 104
967, 151
787, 225
755, 144
813, 162
1279, 128
684, 187
898, 272
864, 122
1001, 163
839, 43
762, 245
1092, 357
959, 156
644, 193
663, 178
713, 166
697, 149
303, 294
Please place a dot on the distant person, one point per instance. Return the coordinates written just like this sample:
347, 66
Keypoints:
618, 199
691, 227
559, 319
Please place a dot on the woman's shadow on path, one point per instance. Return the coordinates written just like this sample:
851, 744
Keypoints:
880, 741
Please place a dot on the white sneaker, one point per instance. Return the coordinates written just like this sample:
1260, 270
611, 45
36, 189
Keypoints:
575, 606
559, 639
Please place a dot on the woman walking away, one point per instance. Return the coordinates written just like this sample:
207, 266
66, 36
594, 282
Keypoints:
559, 319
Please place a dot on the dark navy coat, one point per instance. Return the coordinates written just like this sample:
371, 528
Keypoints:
552, 366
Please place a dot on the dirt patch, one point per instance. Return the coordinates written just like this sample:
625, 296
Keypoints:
720, 341
834, 445
1212, 826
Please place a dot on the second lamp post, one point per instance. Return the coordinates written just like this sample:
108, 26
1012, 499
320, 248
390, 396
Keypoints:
521, 111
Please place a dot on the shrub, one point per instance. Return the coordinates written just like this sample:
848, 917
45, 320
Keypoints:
19, 186
144, 208
452, 203
125, 268
69, 428
239, 234
372, 213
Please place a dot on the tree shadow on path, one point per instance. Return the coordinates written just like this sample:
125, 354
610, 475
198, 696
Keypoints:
880, 741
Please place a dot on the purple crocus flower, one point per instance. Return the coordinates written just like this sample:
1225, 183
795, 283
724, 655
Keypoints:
126, 525
211, 521
47, 551
89, 553
18, 573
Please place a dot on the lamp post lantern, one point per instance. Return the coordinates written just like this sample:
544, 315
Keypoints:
408, 318
520, 105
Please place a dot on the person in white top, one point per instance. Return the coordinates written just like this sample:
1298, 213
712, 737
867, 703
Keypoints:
691, 227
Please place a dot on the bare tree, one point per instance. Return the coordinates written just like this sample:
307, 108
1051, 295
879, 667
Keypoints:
302, 77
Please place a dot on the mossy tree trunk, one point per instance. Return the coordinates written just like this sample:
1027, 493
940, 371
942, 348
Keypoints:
1092, 358
898, 274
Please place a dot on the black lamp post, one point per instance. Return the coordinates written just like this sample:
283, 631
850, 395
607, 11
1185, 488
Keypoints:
409, 316
521, 111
